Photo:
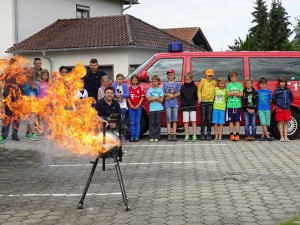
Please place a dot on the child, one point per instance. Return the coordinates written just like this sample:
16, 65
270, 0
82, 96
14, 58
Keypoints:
206, 91
264, 100
43, 86
30, 89
43, 83
188, 95
121, 94
2, 140
249, 107
155, 97
219, 106
136, 98
234, 105
171, 92
82, 93
105, 81
282, 98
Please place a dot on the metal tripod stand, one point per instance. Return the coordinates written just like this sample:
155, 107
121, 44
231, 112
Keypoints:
116, 154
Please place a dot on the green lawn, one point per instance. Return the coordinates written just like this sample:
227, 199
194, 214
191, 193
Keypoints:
293, 221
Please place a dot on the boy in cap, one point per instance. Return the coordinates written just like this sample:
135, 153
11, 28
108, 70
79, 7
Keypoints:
206, 94
171, 93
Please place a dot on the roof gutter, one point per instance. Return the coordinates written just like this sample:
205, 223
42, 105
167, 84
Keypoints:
49, 60
130, 4
16, 23
82, 49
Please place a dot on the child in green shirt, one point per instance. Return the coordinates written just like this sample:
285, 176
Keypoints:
234, 105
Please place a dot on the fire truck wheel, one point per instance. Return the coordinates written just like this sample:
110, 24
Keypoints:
293, 125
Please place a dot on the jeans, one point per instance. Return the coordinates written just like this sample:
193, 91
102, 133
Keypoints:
155, 124
124, 122
135, 121
206, 115
250, 119
9, 116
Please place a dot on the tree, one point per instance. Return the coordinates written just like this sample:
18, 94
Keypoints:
296, 40
279, 31
270, 31
259, 33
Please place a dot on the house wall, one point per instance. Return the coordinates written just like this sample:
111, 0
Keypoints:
118, 58
7, 24
34, 15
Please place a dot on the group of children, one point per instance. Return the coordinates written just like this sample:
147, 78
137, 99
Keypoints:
216, 97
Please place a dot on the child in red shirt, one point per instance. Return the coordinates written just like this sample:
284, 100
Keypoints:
136, 98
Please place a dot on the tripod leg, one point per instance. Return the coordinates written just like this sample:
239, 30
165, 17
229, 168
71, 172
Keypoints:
120, 178
103, 163
80, 204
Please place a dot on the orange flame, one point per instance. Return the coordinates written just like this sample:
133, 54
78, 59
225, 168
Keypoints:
73, 123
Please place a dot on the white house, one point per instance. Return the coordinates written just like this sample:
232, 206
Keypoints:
22, 18
76, 32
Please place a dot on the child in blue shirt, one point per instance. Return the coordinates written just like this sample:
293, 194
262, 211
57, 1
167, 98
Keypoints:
171, 93
264, 107
155, 97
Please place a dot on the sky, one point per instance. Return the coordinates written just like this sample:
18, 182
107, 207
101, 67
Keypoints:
221, 21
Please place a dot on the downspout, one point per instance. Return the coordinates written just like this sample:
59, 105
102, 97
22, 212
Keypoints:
16, 22
126, 8
49, 60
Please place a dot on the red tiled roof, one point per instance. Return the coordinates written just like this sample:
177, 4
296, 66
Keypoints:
99, 32
184, 33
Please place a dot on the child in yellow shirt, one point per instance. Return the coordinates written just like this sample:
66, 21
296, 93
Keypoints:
206, 94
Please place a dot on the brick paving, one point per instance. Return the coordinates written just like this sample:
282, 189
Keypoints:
166, 182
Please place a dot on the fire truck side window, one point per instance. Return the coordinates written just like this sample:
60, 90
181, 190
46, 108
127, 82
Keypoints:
221, 66
161, 66
273, 68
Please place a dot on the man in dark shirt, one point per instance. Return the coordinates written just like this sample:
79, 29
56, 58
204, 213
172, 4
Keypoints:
37, 63
92, 79
108, 106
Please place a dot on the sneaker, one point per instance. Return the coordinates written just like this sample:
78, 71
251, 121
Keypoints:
202, 138
247, 138
186, 138
27, 135
170, 137
136, 139
270, 138
262, 139
15, 138
252, 138
287, 140
155, 140
131, 140
194, 138
208, 137
33, 137
174, 137
2, 140
231, 137
151, 140
237, 137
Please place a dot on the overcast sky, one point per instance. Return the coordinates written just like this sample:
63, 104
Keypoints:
221, 21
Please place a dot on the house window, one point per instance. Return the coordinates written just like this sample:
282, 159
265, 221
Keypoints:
82, 11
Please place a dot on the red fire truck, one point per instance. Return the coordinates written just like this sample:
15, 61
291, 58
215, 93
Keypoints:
270, 64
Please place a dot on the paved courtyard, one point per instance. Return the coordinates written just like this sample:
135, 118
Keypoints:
166, 182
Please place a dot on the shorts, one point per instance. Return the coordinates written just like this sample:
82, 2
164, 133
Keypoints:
171, 114
218, 116
233, 114
264, 117
189, 116
30, 119
283, 115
